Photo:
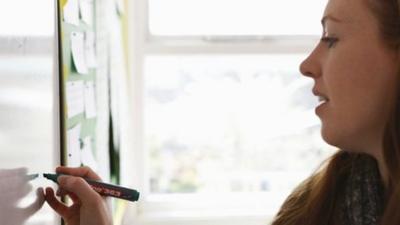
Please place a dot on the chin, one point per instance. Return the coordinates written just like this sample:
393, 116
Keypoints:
342, 141
330, 140
336, 139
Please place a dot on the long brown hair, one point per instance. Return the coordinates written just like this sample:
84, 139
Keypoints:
315, 201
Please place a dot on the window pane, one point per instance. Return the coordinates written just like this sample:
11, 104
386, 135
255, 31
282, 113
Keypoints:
239, 17
26, 139
27, 18
229, 123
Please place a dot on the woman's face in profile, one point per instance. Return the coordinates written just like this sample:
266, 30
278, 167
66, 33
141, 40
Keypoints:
355, 72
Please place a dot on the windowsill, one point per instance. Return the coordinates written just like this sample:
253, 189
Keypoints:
220, 217
206, 209
199, 219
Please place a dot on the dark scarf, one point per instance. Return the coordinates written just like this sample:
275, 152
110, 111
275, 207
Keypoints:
364, 193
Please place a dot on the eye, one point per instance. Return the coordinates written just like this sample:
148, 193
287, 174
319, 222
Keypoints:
330, 41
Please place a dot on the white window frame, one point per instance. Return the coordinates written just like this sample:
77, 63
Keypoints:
175, 209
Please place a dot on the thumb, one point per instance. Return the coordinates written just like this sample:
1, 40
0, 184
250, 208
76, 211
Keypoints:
80, 188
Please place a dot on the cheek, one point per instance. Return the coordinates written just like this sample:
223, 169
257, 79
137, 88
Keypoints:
362, 75
362, 90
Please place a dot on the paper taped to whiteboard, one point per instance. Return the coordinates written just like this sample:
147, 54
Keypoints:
87, 155
90, 100
78, 52
74, 146
71, 12
75, 98
87, 7
90, 55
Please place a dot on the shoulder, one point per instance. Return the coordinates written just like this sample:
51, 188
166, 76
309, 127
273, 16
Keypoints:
316, 196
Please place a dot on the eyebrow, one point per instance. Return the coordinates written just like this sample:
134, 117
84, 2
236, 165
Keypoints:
329, 17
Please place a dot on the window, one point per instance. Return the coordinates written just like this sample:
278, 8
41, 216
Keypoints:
26, 71
16, 13
240, 17
217, 123
224, 122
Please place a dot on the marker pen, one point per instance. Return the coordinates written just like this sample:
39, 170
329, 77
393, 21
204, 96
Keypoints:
104, 188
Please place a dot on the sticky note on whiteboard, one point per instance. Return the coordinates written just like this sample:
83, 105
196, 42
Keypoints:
90, 55
120, 6
87, 155
75, 98
74, 146
87, 8
71, 12
78, 52
90, 100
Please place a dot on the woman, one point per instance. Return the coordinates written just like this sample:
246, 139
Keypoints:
355, 67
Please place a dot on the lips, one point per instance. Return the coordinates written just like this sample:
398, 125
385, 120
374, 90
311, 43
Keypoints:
323, 99
321, 96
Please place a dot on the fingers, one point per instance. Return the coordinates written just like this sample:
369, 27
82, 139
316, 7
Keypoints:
79, 187
35, 206
61, 193
58, 206
83, 171
39, 196
74, 198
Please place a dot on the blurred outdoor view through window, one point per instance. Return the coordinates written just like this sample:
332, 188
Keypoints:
230, 123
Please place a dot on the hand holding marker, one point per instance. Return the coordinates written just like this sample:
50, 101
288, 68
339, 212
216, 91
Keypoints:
101, 188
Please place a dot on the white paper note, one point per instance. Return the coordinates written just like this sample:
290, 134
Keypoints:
75, 98
90, 54
87, 8
78, 52
90, 100
73, 146
87, 155
71, 12
120, 6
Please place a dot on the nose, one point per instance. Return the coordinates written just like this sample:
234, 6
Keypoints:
311, 66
